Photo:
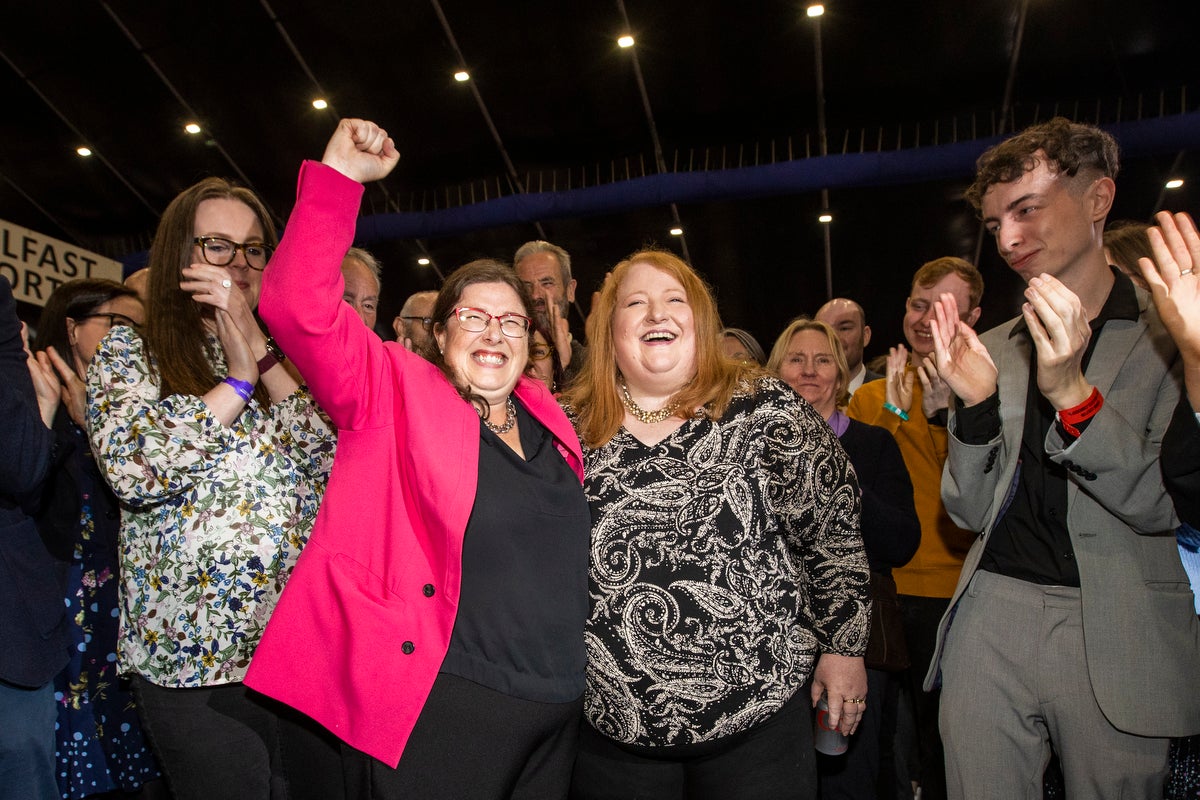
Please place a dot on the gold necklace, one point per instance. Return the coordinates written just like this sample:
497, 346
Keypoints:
648, 417
510, 418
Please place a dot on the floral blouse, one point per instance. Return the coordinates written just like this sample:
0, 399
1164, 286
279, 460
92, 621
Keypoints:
213, 518
724, 560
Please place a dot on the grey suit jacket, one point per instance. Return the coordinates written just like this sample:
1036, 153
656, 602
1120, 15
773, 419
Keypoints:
1142, 641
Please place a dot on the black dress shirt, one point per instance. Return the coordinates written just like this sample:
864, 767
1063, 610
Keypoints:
1030, 540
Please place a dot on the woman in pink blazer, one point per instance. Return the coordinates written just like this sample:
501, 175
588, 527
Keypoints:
435, 618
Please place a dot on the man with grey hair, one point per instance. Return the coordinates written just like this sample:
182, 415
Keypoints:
363, 279
414, 324
849, 322
545, 269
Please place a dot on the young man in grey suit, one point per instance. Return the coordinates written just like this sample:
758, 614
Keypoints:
1072, 623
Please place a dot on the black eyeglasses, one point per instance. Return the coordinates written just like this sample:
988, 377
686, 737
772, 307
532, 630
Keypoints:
539, 352
476, 320
114, 320
426, 322
220, 252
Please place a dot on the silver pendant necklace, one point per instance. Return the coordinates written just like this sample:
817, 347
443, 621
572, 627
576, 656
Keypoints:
510, 418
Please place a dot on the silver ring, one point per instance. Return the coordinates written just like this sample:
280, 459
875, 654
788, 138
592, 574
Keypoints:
227, 283
1188, 271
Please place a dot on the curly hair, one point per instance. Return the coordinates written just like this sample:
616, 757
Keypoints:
1067, 148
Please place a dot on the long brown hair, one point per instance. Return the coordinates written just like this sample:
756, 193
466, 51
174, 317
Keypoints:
594, 395
175, 333
483, 270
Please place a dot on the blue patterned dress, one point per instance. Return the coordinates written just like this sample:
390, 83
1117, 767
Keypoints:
99, 742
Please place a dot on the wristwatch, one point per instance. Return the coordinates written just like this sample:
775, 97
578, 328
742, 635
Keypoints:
274, 356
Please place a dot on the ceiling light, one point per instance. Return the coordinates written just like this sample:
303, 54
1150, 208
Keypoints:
192, 128
84, 151
815, 10
825, 218
625, 41
677, 231
462, 75
319, 104
423, 261
1174, 183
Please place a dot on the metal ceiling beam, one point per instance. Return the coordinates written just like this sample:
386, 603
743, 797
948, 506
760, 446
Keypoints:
659, 161
187, 106
483, 109
97, 152
287, 40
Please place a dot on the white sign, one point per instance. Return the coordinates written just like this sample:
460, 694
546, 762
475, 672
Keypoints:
36, 264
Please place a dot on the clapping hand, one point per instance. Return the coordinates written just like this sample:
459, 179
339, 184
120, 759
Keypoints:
935, 393
45, 382
73, 390
1175, 286
238, 356
560, 329
962, 362
1059, 326
361, 150
898, 388
1174, 283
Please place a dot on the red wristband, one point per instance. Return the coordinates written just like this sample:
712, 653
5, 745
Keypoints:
1070, 417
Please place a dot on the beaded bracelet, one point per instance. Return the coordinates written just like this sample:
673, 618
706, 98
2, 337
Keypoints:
901, 414
244, 390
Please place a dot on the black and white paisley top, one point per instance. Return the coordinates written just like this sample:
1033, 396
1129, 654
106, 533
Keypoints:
724, 560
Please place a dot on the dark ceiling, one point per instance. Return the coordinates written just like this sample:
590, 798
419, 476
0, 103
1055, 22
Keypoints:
729, 85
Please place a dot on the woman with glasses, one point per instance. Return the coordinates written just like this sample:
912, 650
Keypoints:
99, 742
435, 621
544, 363
219, 458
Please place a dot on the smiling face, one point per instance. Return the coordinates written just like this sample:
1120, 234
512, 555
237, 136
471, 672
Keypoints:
809, 367
234, 220
1048, 222
490, 362
654, 333
919, 312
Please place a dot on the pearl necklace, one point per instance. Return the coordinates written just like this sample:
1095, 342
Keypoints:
648, 417
510, 418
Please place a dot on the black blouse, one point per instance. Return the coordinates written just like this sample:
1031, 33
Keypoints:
521, 613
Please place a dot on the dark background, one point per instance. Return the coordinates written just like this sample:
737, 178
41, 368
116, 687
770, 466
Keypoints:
727, 83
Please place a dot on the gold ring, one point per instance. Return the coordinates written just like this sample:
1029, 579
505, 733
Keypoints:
855, 700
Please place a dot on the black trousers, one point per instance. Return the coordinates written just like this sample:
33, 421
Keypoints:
921, 618
213, 743
473, 743
773, 760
